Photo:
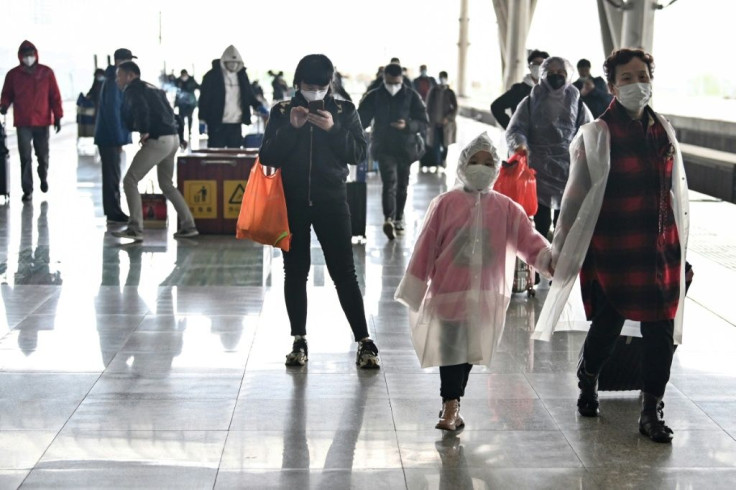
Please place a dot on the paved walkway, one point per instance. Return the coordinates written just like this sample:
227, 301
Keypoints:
161, 366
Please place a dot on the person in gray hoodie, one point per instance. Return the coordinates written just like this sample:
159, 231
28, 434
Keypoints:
225, 99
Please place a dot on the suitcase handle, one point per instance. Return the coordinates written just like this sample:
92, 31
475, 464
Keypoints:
206, 161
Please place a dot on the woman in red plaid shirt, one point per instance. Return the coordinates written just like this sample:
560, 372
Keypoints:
624, 226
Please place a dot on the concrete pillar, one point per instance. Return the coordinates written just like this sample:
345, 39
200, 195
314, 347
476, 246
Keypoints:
637, 29
462, 50
519, 16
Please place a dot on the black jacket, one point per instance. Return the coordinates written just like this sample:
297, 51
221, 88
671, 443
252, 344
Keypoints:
509, 100
597, 99
313, 162
381, 108
147, 110
212, 96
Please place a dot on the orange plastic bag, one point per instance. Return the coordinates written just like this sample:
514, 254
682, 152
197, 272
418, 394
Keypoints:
263, 217
519, 182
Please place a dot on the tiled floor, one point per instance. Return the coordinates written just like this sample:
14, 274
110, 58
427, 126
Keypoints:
161, 366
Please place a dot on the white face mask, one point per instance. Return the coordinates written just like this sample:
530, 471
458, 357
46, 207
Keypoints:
29, 60
534, 70
443, 81
311, 95
393, 88
480, 177
634, 96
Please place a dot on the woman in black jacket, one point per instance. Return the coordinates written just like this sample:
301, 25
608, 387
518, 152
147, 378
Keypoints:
313, 151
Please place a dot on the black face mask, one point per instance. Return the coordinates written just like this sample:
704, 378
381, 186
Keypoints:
556, 81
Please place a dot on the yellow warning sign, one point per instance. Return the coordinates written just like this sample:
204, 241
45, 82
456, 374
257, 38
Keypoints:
232, 191
201, 197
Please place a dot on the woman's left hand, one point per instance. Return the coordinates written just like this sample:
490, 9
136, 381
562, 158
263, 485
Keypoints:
323, 120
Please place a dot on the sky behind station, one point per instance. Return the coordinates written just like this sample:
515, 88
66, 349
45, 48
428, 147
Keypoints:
691, 37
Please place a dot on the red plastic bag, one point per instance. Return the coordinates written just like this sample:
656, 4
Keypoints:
519, 182
263, 216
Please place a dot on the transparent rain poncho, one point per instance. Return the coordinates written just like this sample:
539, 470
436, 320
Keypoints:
546, 122
459, 278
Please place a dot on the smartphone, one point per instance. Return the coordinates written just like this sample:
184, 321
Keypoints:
316, 105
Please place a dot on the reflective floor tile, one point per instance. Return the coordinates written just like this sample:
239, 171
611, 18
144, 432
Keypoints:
454, 475
42, 414
627, 448
21, 449
144, 414
314, 479
76, 448
623, 413
155, 385
700, 387
332, 449
524, 414
35, 386
301, 383
11, 479
480, 386
488, 449
123, 475
356, 413
659, 478
722, 413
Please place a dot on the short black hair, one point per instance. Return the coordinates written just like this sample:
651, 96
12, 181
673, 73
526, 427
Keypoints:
130, 67
583, 63
537, 54
393, 70
314, 69
395, 60
623, 56
183, 72
443, 74
99, 71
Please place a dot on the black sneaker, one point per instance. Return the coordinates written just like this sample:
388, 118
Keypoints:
298, 354
44, 186
388, 228
27, 196
367, 356
588, 405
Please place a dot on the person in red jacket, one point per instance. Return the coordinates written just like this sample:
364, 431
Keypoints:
32, 89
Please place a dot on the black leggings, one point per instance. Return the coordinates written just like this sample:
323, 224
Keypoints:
657, 340
453, 380
331, 222
543, 219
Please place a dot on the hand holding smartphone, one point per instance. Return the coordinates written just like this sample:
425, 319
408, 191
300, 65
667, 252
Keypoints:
316, 105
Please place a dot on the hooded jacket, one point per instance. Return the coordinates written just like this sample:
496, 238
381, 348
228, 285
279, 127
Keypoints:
33, 92
459, 278
109, 127
313, 162
212, 91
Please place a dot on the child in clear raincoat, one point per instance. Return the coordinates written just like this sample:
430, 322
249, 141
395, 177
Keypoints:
459, 279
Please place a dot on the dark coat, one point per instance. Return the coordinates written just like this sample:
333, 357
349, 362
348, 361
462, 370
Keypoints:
509, 100
442, 104
212, 96
597, 99
147, 110
185, 94
109, 127
313, 162
379, 108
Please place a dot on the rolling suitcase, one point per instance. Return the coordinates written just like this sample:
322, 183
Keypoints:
358, 204
4, 163
622, 370
254, 140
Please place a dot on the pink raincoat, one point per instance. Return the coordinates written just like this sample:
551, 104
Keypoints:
459, 279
